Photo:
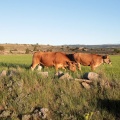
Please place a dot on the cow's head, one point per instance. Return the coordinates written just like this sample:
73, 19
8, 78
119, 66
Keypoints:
106, 59
72, 66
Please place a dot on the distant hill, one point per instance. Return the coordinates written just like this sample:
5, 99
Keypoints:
97, 46
31, 48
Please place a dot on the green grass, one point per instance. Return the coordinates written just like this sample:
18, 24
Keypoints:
66, 100
8, 61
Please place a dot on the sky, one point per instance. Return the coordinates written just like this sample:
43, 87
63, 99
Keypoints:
60, 22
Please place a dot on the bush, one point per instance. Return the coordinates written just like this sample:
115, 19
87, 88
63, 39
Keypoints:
27, 51
35, 48
116, 50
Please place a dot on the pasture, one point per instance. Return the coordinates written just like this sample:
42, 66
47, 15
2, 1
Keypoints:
26, 90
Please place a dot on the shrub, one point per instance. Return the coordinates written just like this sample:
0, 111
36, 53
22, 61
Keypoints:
35, 48
27, 51
116, 50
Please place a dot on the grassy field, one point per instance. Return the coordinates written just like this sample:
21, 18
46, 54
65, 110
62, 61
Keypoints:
66, 100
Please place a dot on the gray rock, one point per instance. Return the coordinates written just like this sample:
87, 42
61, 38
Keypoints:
85, 85
35, 116
83, 80
66, 76
91, 76
26, 117
5, 113
3, 73
40, 113
59, 74
44, 112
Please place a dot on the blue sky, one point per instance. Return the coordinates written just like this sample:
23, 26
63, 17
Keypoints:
60, 22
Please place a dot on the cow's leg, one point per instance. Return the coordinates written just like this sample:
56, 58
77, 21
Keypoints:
63, 68
33, 66
35, 62
56, 68
92, 67
79, 66
39, 67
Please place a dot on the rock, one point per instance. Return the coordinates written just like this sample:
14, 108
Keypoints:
5, 113
40, 113
85, 85
26, 117
66, 76
83, 80
44, 112
44, 74
59, 74
3, 73
35, 116
91, 76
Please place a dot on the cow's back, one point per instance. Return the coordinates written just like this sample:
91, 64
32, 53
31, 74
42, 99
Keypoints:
47, 58
83, 58
61, 57
36, 57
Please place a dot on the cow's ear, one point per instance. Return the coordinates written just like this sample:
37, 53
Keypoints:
104, 57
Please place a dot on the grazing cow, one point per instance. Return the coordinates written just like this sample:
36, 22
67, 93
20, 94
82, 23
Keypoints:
86, 59
56, 59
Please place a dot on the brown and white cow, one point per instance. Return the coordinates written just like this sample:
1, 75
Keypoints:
86, 59
56, 59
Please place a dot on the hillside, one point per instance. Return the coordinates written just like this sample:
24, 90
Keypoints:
30, 48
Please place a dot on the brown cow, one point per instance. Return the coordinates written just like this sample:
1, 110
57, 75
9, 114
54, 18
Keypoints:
86, 59
56, 59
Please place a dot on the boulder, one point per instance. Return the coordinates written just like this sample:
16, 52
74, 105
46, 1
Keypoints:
59, 74
66, 76
3, 73
5, 113
26, 117
40, 113
85, 85
83, 80
91, 76
44, 112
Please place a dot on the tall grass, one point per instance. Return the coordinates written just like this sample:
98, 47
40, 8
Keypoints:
65, 99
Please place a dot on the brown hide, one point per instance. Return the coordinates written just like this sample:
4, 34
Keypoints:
56, 59
92, 60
